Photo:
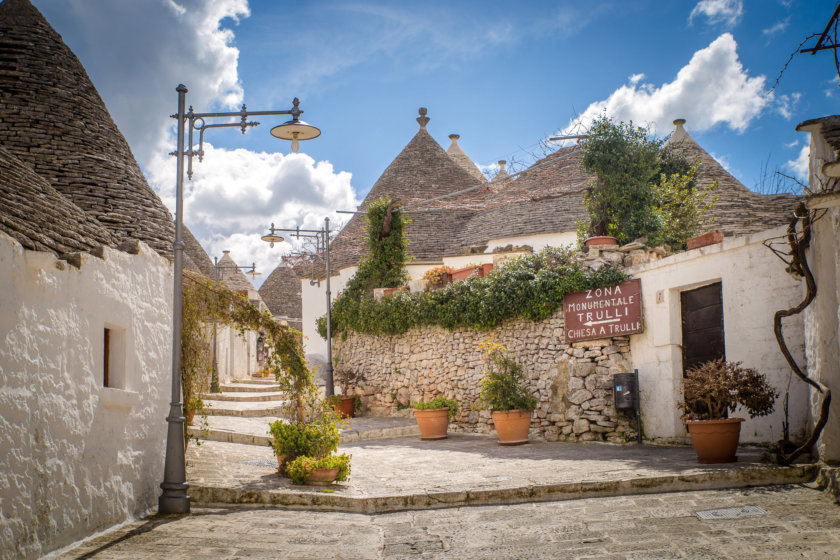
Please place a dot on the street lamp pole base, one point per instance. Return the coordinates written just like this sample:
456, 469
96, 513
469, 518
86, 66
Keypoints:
174, 502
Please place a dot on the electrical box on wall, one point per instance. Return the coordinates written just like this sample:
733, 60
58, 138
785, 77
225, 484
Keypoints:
626, 392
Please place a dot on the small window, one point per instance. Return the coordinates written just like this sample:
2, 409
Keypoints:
113, 357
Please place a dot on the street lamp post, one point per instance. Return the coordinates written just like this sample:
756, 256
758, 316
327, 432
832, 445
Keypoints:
322, 247
252, 270
174, 498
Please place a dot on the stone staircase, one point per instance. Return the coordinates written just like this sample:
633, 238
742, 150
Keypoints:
243, 410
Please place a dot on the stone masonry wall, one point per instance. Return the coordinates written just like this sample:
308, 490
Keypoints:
572, 382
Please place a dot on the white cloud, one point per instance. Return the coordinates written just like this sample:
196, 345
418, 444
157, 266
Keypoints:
776, 28
787, 103
727, 12
792, 144
799, 165
236, 194
713, 88
154, 46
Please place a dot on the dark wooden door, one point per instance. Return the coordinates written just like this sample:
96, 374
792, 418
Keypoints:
702, 325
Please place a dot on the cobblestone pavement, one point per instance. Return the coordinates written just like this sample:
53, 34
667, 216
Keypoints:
799, 523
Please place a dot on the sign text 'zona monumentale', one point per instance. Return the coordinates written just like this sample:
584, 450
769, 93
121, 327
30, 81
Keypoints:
604, 312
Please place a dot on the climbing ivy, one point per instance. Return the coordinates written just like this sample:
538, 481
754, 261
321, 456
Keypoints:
530, 286
206, 301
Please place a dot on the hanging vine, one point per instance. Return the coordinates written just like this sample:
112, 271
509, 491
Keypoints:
204, 302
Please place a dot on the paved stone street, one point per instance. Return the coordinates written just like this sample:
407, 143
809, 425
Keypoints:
799, 523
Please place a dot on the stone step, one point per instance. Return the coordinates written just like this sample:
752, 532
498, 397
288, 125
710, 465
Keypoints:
241, 396
257, 380
242, 409
248, 387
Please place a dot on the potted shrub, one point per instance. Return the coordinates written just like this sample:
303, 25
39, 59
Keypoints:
712, 391
319, 472
194, 405
505, 392
346, 406
291, 440
437, 277
433, 417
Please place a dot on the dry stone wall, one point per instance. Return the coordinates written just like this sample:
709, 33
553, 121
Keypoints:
573, 382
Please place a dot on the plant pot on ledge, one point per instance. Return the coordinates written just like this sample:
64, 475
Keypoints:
715, 441
512, 426
346, 406
600, 240
433, 423
713, 390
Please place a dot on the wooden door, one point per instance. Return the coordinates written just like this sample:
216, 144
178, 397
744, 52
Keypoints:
702, 325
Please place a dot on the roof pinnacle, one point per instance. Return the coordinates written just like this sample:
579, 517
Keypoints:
423, 119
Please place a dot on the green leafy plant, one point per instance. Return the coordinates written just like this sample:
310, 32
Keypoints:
334, 400
504, 385
681, 208
716, 388
623, 197
438, 402
302, 467
530, 286
317, 438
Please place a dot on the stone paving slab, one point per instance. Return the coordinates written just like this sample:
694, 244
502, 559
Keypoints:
407, 473
799, 523
254, 430
245, 409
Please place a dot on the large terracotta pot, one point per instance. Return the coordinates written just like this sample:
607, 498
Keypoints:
600, 240
433, 422
322, 477
715, 441
512, 426
347, 408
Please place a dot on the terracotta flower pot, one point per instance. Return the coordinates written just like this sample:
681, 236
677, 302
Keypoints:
433, 422
512, 426
282, 460
322, 477
190, 417
715, 441
601, 240
347, 409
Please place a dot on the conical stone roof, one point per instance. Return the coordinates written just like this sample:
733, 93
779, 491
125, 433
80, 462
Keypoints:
461, 158
421, 171
233, 278
281, 292
39, 217
54, 120
195, 254
737, 210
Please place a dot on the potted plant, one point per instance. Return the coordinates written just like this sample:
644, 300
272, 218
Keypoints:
712, 391
195, 404
346, 406
437, 277
319, 472
433, 417
290, 440
504, 390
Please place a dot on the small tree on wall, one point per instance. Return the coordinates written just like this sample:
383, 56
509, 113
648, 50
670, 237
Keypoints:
641, 188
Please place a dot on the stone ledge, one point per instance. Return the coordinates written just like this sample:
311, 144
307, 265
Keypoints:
314, 499
111, 397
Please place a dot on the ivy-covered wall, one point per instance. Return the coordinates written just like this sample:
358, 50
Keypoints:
572, 382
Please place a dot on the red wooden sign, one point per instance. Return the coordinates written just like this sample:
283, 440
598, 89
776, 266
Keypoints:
604, 312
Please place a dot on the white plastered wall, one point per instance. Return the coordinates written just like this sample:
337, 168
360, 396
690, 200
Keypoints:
822, 317
754, 286
77, 457
236, 353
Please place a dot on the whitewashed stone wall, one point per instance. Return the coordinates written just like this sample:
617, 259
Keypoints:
77, 457
572, 382
236, 353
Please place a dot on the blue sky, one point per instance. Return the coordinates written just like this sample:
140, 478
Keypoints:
503, 75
